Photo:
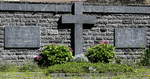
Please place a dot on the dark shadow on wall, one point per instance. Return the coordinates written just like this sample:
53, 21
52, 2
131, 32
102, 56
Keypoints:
68, 26
71, 26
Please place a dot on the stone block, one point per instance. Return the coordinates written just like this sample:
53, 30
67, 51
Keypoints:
130, 38
22, 37
79, 19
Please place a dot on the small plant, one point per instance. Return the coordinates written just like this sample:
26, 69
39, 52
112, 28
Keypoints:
102, 52
146, 58
117, 60
54, 54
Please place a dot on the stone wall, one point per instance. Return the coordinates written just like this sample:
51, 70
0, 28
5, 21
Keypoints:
111, 21
119, 2
108, 2
52, 34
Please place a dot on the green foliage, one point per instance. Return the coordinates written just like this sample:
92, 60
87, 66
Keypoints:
6, 66
56, 54
29, 67
146, 58
101, 53
74, 67
139, 73
23, 75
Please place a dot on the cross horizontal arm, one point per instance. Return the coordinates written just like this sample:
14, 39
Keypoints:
80, 19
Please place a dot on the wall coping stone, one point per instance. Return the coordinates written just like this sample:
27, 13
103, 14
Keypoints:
66, 8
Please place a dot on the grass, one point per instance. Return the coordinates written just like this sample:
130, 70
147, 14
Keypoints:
23, 75
140, 73
80, 68
78, 71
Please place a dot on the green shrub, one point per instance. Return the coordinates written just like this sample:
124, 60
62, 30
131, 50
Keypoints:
54, 54
73, 67
101, 53
146, 58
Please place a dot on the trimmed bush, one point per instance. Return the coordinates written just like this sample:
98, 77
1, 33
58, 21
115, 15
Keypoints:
102, 52
54, 54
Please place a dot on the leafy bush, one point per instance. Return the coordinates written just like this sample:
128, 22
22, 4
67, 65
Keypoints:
54, 54
146, 58
73, 67
102, 52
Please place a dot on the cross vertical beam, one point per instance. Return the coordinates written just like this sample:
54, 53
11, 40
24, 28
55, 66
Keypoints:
78, 8
78, 31
78, 19
78, 41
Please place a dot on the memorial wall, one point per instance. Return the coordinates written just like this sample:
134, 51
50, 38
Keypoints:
26, 27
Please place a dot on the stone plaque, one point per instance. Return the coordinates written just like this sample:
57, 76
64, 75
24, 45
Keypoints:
22, 37
130, 38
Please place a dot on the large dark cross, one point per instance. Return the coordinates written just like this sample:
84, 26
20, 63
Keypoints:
78, 19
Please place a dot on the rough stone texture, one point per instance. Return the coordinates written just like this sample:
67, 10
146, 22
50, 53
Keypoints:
104, 30
52, 33
49, 33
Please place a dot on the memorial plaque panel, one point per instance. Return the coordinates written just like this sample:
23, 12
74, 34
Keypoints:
130, 38
22, 37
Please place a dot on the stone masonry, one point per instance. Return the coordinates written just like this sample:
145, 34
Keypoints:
52, 34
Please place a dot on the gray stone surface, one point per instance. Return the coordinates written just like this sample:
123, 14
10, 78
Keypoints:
22, 37
117, 9
42, 7
130, 38
78, 19
47, 16
67, 7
